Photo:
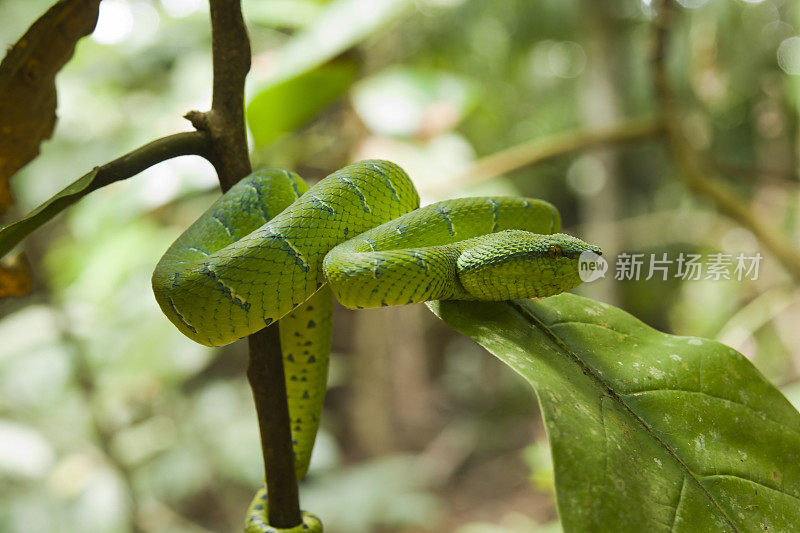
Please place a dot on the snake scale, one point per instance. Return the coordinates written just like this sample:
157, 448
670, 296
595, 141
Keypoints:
273, 249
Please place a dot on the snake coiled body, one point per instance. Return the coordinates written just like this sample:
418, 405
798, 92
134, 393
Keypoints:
272, 249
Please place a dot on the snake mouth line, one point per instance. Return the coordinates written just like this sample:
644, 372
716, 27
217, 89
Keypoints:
518, 256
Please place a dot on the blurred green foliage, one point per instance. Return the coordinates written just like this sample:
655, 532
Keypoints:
105, 410
285, 106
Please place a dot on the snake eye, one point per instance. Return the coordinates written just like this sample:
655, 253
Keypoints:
555, 251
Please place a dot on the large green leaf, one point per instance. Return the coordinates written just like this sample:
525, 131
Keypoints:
340, 25
281, 108
282, 13
649, 431
301, 79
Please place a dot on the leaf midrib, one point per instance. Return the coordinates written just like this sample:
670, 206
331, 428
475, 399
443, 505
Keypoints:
589, 371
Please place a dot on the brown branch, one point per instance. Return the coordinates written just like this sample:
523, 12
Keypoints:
539, 150
769, 175
229, 155
152, 153
225, 121
265, 374
693, 170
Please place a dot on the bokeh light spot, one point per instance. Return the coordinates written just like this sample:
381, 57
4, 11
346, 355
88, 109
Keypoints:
691, 4
587, 176
566, 59
115, 22
180, 8
789, 56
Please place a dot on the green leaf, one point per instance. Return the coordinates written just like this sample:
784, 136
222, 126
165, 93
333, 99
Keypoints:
281, 108
12, 234
648, 431
299, 83
340, 25
282, 13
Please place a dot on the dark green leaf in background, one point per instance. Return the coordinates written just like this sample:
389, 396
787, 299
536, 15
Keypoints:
649, 431
282, 108
339, 26
302, 79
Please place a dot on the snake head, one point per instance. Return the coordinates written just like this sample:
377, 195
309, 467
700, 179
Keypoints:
516, 264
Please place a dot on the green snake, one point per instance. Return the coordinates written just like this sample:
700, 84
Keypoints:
273, 249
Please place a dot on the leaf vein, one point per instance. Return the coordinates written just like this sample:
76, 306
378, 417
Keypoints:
722, 399
591, 372
754, 482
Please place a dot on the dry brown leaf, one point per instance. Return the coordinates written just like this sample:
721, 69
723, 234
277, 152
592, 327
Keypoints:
27, 84
15, 277
5, 196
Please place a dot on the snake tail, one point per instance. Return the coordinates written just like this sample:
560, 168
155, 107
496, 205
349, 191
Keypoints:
257, 520
305, 335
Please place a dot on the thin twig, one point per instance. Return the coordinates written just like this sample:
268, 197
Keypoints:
696, 173
229, 155
539, 150
150, 154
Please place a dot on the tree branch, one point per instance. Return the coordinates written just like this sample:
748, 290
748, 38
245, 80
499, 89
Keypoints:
266, 377
538, 150
151, 154
692, 169
229, 155
225, 121
221, 138
774, 176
